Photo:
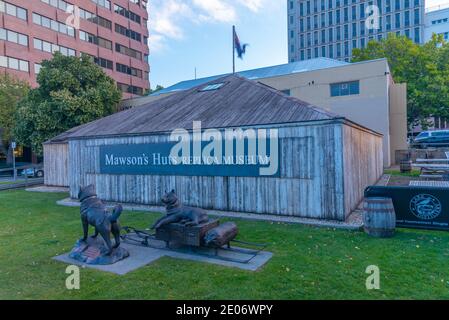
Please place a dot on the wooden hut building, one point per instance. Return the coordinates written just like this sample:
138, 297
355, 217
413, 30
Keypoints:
319, 163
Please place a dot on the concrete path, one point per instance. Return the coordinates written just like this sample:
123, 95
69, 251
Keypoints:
350, 224
141, 256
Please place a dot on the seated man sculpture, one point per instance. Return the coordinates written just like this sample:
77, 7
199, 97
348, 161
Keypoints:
176, 212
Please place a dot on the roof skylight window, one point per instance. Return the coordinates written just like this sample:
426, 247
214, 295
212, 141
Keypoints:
212, 87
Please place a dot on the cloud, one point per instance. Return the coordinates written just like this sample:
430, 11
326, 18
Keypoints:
167, 18
216, 10
253, 5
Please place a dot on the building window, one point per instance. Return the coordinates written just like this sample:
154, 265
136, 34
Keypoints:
129, 33
84, 14
53, 25
13, 63
52, 48
130, 89
104, 63
397, 5
417, 17
388, 6
37, 68
15, 37
101, 42
397, 20
128, 51
126, 13
345, 88
13, 10
407, 18
407, 33
417, 37
103, 3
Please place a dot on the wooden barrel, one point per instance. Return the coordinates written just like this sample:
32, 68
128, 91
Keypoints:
379, 217
406, 166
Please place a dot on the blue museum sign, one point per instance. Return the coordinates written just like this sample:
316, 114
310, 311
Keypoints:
200, 160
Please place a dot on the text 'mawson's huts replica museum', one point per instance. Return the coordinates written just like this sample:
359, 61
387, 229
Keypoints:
231, 144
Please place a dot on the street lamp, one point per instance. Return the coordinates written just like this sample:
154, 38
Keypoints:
13, 147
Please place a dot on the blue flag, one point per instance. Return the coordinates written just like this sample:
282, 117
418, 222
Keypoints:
241, 49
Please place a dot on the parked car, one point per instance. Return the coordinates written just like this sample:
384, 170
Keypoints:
438, 138
33, 172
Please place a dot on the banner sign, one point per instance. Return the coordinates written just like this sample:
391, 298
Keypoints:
202, 160
416, 207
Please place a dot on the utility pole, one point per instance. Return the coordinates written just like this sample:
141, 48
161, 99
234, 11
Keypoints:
233, 49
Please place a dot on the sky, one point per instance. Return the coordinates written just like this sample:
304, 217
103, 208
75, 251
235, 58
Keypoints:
189, 34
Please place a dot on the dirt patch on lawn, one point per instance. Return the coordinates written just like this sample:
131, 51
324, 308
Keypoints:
400, 180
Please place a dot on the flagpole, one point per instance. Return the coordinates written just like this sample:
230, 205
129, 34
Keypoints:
233, 49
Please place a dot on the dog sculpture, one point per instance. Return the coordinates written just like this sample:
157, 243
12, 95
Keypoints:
178, 213
93, 212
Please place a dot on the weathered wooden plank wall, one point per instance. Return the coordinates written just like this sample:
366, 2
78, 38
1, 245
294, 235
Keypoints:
363, 164
312, 180
56, 164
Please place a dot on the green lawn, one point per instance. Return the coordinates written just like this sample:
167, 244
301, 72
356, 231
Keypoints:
308, 263
11, 182
396, 172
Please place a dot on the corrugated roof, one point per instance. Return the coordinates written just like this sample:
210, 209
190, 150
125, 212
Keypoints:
267, 72
240, 102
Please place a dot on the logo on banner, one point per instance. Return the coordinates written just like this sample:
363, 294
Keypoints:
425, 206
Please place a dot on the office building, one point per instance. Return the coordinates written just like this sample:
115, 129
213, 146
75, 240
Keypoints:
113, 32
333, 28
437, 21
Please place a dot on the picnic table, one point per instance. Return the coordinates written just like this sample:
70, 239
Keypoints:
420, 183
433, 168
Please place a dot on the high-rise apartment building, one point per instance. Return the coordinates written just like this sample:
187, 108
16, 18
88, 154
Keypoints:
332, 28
113, 32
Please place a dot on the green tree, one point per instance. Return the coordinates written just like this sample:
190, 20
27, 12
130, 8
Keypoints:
425, 69
12, 90
72, 91
158, 88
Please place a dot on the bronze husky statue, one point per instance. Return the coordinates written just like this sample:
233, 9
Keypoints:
94, 212
179, 213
